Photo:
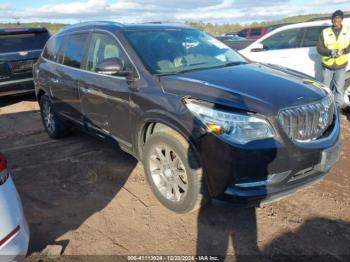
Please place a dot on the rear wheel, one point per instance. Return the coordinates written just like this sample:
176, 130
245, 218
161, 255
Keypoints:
53, 125
173, 172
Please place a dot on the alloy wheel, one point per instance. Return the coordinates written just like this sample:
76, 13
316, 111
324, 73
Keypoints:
168, 173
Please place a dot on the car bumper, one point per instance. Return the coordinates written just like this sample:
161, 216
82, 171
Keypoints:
15, 87
262, 171
14, 227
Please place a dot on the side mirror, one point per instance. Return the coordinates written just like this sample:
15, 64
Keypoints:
112, 66
257, 47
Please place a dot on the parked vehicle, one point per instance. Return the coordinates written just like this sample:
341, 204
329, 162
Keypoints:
294, 46
234, 41
246, 36
272, 27
14, 233
204, 122
19, 50
230, 38
238, 44
252, 33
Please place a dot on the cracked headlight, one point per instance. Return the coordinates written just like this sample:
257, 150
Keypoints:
238, 128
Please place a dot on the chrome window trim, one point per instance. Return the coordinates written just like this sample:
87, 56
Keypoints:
86, 71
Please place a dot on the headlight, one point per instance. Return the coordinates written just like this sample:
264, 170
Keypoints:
238, 128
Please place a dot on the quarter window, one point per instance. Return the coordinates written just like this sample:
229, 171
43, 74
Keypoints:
283, 40
103, 47
73, 50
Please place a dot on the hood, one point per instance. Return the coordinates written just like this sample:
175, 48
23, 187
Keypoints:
250, 87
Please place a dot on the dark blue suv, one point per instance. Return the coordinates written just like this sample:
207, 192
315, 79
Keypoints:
19, 50
205, 122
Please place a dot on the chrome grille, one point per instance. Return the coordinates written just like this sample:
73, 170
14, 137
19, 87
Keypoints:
308, 122
21, 66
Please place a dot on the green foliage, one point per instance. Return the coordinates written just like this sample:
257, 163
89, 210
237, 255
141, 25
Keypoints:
218, 29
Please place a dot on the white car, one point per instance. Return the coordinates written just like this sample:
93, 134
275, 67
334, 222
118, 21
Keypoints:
294, 46
14, 232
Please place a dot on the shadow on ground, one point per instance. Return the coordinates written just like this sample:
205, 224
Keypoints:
63, 183
317, 239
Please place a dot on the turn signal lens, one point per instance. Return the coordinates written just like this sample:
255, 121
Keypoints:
215, 128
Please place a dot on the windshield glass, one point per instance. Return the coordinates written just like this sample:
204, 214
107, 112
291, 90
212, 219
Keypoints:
171, 51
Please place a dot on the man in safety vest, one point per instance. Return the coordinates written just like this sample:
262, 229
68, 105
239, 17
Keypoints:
334, 48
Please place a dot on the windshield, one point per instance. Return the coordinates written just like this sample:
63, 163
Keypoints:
172, 51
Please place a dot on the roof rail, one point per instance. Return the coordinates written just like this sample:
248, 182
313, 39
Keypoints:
153, 22
88, 23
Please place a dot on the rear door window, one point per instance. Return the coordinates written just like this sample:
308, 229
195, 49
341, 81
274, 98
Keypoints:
283, 40
311, 36
23, 42
72, 51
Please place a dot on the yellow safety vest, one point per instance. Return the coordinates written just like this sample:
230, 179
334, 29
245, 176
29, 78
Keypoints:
331, 42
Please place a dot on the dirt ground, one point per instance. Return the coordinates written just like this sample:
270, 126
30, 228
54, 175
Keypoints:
92, 199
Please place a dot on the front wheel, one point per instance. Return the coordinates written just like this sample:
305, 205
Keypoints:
173, 172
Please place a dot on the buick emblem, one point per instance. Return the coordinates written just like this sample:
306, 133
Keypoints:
23, 53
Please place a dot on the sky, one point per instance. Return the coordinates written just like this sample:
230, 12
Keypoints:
134, 11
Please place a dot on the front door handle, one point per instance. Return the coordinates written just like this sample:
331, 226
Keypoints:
54, 80
92, 91
84, 89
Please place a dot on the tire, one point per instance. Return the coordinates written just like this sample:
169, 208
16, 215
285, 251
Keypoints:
53, 125
173, 172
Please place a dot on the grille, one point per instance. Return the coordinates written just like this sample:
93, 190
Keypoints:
21, 66
308, 122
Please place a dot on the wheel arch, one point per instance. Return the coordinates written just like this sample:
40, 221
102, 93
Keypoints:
40, 93
154, 122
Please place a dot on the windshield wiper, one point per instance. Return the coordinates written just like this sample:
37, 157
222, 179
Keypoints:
234, 63
183, 71
202, 68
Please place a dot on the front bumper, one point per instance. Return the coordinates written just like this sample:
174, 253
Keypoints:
261, 171
11, 216
15, 87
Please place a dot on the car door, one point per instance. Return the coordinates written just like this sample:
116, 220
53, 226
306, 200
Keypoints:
66, 75
312, 60
281, 48
105, 98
